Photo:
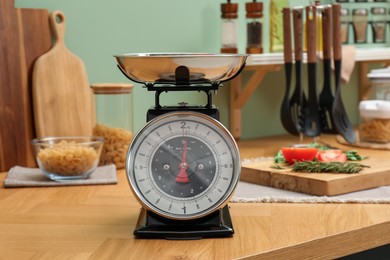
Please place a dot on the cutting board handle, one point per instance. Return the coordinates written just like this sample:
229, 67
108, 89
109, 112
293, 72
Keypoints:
57, 25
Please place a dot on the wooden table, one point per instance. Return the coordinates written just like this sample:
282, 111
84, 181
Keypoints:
97, 221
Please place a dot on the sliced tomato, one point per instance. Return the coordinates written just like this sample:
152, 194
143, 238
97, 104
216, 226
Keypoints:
292, 154
332, 155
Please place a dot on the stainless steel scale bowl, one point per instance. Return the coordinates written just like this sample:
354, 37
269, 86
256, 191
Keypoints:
154, 68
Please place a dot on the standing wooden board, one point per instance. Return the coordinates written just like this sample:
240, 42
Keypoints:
323, 184
24, 36
63, 104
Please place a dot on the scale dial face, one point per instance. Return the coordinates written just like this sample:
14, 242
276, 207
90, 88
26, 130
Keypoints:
183, 165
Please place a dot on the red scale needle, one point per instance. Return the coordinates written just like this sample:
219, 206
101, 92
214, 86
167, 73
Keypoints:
182, 177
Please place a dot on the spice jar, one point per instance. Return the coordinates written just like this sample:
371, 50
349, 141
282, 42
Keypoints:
360, 22
344, 25
254, 27
378, 24
114, 121
229, 27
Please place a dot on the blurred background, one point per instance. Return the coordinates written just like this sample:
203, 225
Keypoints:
97, 29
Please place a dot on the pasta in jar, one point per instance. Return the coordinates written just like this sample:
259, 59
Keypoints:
116, 143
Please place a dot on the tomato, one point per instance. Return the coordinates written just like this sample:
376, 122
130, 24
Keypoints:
332, 155
292, 154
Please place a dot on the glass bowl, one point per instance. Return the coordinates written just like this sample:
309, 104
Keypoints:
68, 158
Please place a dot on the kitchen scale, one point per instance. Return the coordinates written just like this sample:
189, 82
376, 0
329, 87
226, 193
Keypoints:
183, 165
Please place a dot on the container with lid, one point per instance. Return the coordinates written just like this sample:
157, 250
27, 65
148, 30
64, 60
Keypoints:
229, 27
344, 25
360, 23
375, 121
114, 121
378, 24
254, 27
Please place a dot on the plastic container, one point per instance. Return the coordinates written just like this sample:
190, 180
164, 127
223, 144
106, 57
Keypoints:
375, 121
254, 27
229, 27
114, 121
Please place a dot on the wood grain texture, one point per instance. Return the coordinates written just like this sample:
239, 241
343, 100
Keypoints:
322, 184
63, 104
96, 222
24, 36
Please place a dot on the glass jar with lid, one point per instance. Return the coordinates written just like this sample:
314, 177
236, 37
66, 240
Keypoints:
378, 24
254, 27
375, 112
114, 121
229, 27
344, 25
360, 24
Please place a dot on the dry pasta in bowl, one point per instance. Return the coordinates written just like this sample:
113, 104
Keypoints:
67, 158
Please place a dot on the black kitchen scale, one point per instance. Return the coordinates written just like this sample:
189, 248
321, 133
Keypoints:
183, 165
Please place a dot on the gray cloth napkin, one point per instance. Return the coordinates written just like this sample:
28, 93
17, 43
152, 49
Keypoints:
33, 177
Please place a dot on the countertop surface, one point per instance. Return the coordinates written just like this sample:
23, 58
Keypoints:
97, 222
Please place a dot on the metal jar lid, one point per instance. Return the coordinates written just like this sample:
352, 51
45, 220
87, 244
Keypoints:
378, 10
360, 12
344, 12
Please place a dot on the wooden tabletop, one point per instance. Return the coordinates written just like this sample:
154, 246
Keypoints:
97, 222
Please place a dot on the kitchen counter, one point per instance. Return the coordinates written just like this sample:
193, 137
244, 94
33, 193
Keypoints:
97, 221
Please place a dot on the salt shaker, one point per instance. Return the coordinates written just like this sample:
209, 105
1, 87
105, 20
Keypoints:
229, 27
114, 121
254, 27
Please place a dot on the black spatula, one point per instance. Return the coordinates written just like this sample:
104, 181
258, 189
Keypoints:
341, 120
326, 97
298, 99
311, 115
285, 111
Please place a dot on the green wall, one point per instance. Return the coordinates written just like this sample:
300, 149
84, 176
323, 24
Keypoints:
98, 29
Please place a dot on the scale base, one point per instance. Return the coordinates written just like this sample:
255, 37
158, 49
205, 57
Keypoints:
217, 224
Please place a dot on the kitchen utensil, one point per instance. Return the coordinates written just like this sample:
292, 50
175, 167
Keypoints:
326, 97
298, 99
341, 120
161, 68
285, 111
321, 184
310, 115
63, 104
24, 36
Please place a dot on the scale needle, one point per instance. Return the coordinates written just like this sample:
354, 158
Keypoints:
182, 177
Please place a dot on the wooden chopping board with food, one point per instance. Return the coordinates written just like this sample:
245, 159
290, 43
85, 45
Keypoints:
63, 104
319, 170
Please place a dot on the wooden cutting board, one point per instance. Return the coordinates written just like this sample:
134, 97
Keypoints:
323, 184
62, 98
24, 36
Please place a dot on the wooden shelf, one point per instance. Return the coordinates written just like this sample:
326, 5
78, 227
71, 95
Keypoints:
261, 64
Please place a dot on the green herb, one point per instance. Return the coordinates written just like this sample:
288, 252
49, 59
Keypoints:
328, 167
277, 166
279, 158
353, 155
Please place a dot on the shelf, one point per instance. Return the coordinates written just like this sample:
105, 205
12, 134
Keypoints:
261, 64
